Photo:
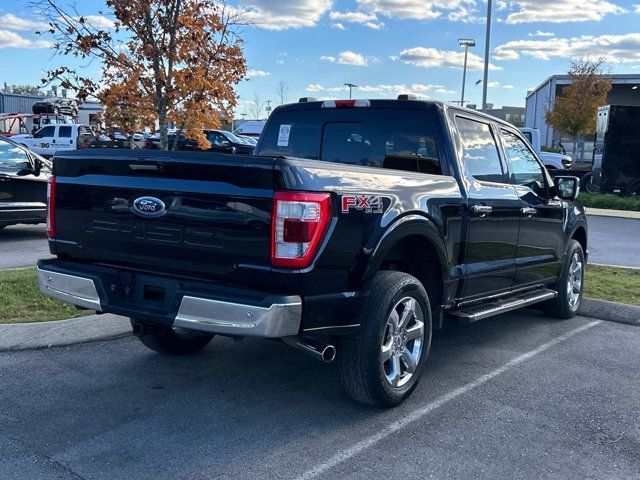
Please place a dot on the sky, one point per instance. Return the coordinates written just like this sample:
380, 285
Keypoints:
386, 47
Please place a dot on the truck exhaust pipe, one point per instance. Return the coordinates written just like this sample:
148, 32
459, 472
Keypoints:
315, 348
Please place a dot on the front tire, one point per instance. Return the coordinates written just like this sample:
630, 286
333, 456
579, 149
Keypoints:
168, 341
569, 286
382, 363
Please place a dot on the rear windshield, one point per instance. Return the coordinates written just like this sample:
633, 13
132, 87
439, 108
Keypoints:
384, 138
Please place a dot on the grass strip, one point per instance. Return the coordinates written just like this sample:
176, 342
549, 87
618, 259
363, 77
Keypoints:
615, 284
21, 300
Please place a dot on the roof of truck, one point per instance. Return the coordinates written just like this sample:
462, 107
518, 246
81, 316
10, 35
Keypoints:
410, 104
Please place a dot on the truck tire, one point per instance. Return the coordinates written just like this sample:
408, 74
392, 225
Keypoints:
169, 342
382, 363
569, 286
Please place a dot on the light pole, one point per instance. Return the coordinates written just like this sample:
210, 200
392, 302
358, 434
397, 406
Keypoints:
351, 86
466, 43
487, 43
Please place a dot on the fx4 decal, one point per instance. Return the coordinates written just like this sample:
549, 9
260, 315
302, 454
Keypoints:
368, 203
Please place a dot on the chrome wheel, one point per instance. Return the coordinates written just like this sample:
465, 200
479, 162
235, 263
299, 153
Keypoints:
574, 284
402, 342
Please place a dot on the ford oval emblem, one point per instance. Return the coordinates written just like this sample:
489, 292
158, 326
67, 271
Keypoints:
150, 207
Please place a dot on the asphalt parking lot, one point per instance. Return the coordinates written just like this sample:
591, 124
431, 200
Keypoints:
516, 396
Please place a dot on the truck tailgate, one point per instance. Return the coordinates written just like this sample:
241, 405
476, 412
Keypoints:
203, 213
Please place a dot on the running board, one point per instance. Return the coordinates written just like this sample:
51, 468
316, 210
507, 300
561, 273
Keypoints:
473, 313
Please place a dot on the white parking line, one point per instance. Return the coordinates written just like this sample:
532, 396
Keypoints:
425, 410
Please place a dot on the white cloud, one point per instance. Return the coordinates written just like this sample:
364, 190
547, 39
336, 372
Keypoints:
338, 26
386, 90
12, 22
282, 15
636, 8
251, 73
414, 9
616, 48
499, 85
347, 58
98, 21
13, 40
434, 58
540, 33
561, 11
369, 20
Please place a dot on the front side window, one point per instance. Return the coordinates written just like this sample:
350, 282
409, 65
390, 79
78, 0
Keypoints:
44, 132
480, 152
524, 169
12, 157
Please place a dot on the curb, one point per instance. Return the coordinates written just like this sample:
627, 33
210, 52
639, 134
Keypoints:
603, 212
610, 311
62, 333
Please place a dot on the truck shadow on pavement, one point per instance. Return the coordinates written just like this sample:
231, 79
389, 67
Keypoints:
95, 405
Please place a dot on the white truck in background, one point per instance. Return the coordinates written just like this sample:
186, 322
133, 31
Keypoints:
53, 138
553, 161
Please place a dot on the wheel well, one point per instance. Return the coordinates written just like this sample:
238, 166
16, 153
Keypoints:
581, 236
417, 256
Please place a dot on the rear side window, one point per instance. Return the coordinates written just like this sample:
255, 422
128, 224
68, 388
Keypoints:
389, 138
480, 151
64, 132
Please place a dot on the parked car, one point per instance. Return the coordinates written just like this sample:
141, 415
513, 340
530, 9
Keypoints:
23, 184
251, 140
220, 140
250, 128
553, 161
376, 220
51, 139
57, 106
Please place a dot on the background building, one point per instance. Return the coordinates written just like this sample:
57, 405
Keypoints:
625, 91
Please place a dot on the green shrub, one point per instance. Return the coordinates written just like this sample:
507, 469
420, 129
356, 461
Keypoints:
610, 202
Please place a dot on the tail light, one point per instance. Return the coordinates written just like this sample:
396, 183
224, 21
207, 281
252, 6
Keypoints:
51, 207
299, 223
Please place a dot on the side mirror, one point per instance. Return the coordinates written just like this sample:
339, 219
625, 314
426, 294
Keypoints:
37, 167
567, 188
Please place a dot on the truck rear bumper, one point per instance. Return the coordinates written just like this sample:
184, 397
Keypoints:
183, 304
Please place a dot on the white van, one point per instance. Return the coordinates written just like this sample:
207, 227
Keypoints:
53, 138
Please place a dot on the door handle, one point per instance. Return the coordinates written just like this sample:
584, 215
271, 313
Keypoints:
482, 210
528, 211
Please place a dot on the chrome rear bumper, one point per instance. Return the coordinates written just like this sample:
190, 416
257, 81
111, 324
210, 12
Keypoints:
78, 291
276, 320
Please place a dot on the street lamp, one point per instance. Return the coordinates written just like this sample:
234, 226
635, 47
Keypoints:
486, 58
466, 43
351, 86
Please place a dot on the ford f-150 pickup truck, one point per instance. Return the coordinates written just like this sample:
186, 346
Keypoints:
357, 228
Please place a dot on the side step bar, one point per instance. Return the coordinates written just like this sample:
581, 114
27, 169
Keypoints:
473, 313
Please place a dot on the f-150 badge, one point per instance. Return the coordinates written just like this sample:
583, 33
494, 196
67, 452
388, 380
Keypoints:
366, 203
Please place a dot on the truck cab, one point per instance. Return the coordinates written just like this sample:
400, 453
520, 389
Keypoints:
51, 139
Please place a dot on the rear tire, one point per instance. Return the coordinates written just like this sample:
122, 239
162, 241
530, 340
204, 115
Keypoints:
167, 341
382, 363
569, 286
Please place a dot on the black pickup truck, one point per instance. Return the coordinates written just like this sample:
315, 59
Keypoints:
356, 229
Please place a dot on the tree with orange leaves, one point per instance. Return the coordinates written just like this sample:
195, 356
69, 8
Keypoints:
163, 61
